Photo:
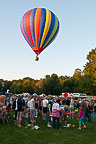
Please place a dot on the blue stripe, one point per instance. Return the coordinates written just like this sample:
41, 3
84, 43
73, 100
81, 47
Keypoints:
24, 35
32, 17
42, 25
53, 36
25, 30
51, 28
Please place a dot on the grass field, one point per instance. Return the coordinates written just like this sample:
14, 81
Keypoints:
11, 134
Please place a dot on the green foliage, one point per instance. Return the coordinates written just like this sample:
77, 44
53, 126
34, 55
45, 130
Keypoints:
90, 71
70, 85
81, 81
51, 85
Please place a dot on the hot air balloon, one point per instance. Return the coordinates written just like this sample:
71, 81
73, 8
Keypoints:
39, 27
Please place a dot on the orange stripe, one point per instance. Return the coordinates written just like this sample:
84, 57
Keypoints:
37, 24
27, 23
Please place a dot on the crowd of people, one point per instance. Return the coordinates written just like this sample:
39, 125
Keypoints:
53, 110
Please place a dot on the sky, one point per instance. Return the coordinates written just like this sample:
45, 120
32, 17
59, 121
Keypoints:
76, 38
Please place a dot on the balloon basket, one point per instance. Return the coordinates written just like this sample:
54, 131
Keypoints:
37, 58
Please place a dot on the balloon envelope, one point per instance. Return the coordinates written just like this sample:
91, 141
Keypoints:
39, 27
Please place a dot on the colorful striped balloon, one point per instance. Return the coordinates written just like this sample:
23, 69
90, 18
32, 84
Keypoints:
39, 27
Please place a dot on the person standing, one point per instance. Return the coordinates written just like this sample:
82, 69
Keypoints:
56, 113
72, 107
31, 105
94, 110
49, 112
20, 109
80, 118
40, 106
89, 111
44, 105
15, 116
65, 117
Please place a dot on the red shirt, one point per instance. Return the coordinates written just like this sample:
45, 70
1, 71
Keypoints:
8, 108
39, 102
65, 115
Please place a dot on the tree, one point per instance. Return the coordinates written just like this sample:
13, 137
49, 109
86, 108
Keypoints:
70, 86
77, 74
51, 85
38, 87
1, 80
27, 85
7, 85
90, 70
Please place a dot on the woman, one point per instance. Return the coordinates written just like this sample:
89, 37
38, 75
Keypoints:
55, 113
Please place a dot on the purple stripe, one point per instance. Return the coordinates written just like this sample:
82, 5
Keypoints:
42, 25
25, 30
32, 17
22, 30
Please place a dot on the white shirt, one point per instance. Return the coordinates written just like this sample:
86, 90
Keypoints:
45, 102
16, 105
55, 106
26, 99
30, 104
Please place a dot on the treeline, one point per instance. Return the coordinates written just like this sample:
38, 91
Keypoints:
81, 81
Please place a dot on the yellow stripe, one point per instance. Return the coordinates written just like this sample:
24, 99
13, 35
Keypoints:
53, 32
47, 26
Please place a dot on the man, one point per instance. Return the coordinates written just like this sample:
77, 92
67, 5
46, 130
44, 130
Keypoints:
20, 109
31, 105
44, 105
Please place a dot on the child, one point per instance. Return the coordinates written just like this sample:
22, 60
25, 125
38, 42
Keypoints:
25, 116
65, 117
8, 108
3, 115
80, 118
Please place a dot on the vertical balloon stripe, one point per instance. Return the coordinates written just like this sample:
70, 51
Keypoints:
50, 29
53, 36
37, 24
53, 32
47, 26
32, 16
27, 24
22, 30
25, 30
42, 25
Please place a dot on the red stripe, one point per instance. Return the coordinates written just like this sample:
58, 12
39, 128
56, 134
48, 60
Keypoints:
24, 32
27, 24
37, 24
